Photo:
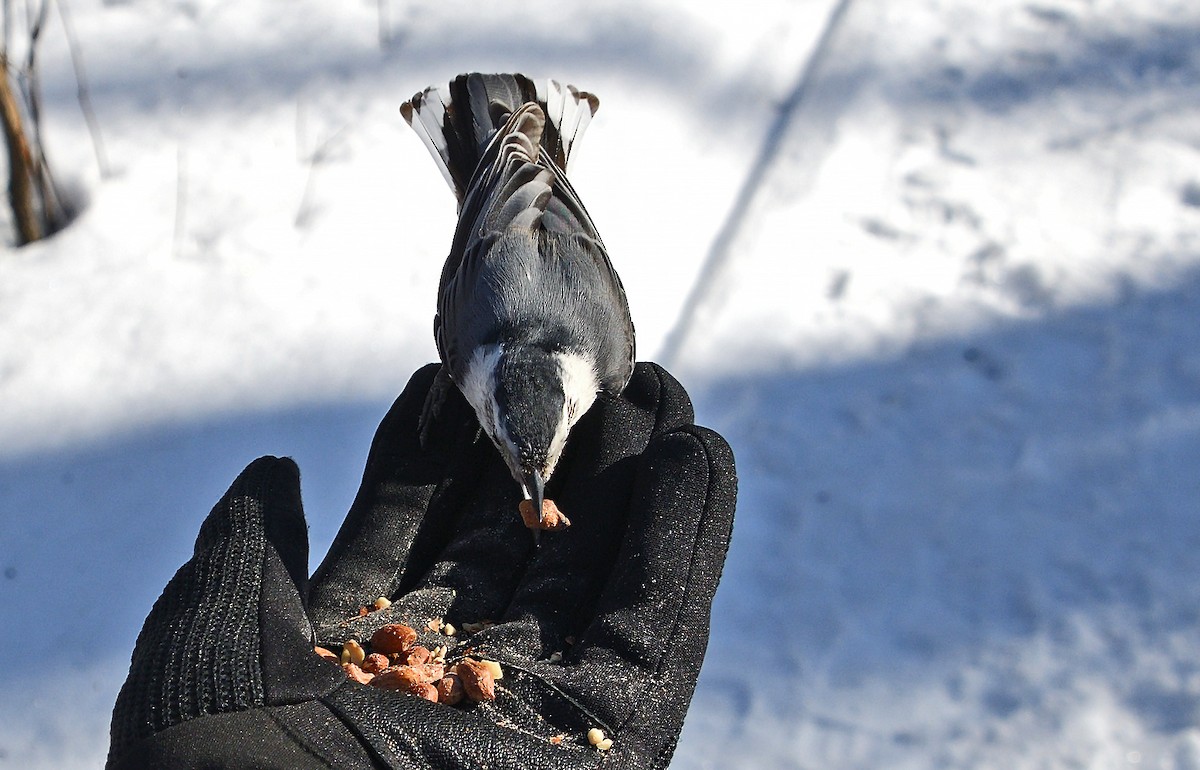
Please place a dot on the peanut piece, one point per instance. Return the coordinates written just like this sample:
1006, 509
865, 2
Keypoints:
424, 690
357, 674
429, 672
552, 519
494, 667
397, 678
375, 663
352, 652
415, 656
392, 638
477, 680
450, 689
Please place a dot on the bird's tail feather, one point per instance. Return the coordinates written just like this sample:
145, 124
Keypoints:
568, 111
457, 132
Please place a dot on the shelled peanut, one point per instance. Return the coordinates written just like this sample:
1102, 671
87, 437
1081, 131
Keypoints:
396, 662
551, 520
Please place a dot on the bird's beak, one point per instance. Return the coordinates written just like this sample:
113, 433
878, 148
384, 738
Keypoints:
534, 487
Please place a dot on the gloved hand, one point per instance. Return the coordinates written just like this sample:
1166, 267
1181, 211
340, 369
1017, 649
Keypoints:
224, 675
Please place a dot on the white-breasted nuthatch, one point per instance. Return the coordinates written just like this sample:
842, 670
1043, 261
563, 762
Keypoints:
532, 321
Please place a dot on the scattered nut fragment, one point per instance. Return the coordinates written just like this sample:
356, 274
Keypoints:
597, 738
552, 519
434, 625
363, 612
392, 638
357, 674
494, 667
375, 663
557, 739
328, 655
556, 657
382, 603
449, 630
438, 655
450, 689
477, 679
352, 652
474, 628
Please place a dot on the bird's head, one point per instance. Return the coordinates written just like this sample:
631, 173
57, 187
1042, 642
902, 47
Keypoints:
527, 400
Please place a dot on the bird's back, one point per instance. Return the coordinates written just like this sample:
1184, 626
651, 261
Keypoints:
527, 266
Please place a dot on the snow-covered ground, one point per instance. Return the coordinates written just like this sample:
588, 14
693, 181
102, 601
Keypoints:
932, 266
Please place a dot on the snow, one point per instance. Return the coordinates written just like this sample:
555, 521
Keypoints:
931, 267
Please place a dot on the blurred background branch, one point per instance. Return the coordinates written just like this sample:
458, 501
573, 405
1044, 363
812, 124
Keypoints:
32, 193
38, 206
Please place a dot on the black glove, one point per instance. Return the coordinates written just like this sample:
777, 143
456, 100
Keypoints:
603, 625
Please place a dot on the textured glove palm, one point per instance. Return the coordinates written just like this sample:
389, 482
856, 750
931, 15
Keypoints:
223, 673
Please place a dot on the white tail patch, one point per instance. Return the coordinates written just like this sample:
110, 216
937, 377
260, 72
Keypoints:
586, 105
569, 110
552, 95
426, 113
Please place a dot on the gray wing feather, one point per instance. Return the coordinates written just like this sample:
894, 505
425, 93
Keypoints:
527, 259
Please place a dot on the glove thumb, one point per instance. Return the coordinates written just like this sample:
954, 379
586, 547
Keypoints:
290, 671
230, 631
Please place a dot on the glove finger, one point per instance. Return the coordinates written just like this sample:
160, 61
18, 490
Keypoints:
671, 561
290, 670
593, 486
369, 556
658, 404
640, 658
202, 649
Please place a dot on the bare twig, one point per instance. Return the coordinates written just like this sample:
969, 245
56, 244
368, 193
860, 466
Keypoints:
54, 217
85, 100
38, 208
20, 162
